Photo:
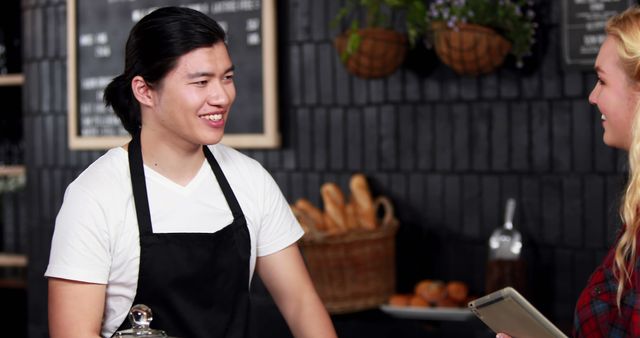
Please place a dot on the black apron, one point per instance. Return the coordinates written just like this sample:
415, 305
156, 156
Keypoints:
196, 284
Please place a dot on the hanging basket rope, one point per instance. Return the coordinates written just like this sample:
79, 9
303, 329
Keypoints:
470, 49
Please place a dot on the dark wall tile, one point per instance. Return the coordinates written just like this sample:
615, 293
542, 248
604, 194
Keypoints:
425, 140
443, 137
412, 87
354, 139
299, 20
360, 91
520, 136
406, 135
573, 84
489, 86
582, 143
342, 82
573, 221
319, 20
480, 136
434, 203
417, 198
452, 203
500, 137
431, 88
469, 88
305, 127
561, 135
595, 207
388, 136
460, 137
325, 74
309, 79
531, 85
337, 139
509, 84
320, 138
530, 206
370, 149
471, 202
551, 210
492, 205
394, 87
294, 88
540, 136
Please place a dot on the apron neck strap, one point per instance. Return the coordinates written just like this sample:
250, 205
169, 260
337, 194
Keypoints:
140, 197
224, 184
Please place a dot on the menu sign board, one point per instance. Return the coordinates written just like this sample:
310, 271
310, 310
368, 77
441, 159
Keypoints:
97, 33
583, 23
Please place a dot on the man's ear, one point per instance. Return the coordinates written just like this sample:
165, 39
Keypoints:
142, 91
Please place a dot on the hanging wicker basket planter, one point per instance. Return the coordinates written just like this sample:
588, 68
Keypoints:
380, 52
469, 49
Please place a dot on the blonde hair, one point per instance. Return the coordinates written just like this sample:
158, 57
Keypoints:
625, 28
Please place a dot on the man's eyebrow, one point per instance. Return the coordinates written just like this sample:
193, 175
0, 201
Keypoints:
598, 69
209, 74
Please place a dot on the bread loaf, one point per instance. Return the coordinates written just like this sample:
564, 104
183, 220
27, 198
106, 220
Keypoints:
334, 206
303, 219
313, 214
351, 217
363, 202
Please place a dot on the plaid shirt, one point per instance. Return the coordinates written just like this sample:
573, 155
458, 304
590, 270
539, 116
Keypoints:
597, 314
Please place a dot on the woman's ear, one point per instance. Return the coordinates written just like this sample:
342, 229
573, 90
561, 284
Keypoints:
142, 91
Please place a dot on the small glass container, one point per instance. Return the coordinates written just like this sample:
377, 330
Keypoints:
140, 316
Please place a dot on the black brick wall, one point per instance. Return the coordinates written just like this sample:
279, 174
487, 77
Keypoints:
448, 150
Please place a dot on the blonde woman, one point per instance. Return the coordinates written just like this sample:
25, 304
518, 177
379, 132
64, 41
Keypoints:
609, 305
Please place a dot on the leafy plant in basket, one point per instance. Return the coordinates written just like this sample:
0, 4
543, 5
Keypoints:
369, 48
462, 30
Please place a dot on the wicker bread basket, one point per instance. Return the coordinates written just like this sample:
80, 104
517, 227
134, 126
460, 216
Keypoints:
353, 271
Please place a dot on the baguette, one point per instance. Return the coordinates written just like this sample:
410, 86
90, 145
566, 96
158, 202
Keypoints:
351, 217
363, 202
303, 219
334, 206
313, 214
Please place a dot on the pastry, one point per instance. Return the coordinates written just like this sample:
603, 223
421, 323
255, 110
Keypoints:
334, 205
400, 299
431, 291
457, 291
418, 301
363, 202
312, 213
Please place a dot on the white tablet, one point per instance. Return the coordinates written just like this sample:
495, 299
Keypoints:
508, 312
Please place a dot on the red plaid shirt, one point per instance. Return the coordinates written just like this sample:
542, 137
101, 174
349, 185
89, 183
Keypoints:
597, 314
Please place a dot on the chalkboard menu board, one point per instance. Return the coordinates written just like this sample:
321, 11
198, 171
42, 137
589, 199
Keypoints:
97, 33
583, 25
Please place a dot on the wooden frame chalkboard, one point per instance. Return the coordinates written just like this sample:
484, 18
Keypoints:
96, 35
583, 24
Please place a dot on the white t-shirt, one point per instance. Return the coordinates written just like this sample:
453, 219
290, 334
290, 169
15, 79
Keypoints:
96, 237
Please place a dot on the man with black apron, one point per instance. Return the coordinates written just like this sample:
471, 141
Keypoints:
174, 98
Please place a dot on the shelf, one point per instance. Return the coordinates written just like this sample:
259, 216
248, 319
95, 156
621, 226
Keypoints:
12, 283
11, 80
12, 170
13, 260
